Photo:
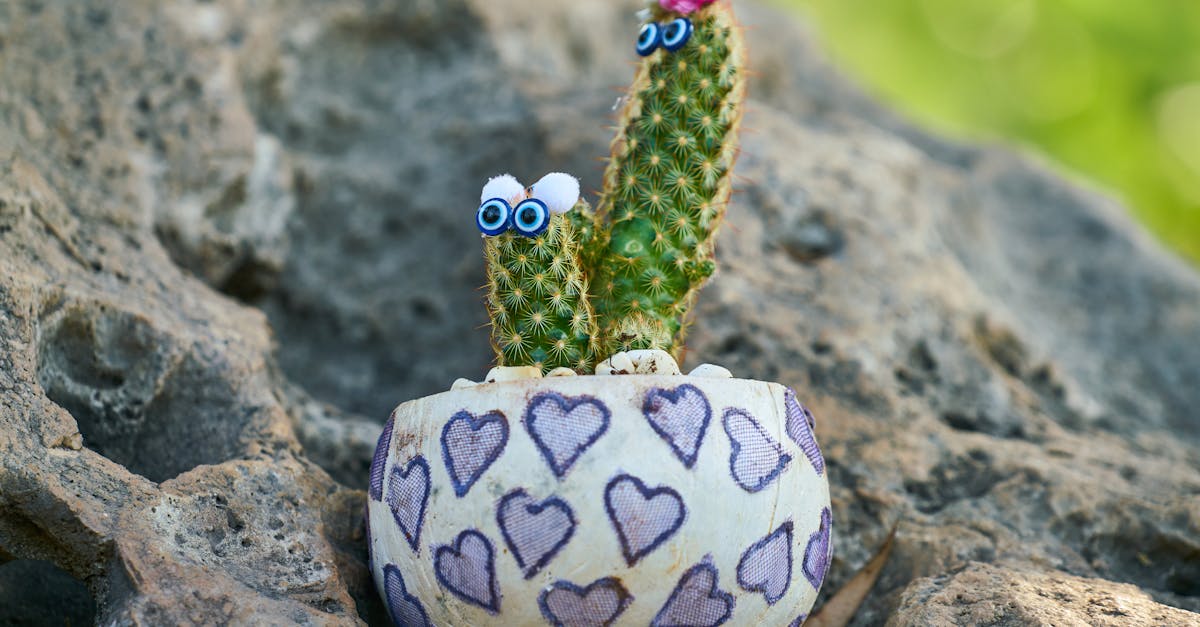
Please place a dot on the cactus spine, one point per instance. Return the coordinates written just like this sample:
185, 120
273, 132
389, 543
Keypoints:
537, 299
667, 185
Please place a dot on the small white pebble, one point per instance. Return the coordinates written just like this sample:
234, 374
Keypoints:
622, 364
512, 373
711, 371
561, 371
462, 384
654, 361
618, 363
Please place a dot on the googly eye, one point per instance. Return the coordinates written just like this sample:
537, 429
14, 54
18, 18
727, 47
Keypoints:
676, 33
649, 39
492, 217
531, 217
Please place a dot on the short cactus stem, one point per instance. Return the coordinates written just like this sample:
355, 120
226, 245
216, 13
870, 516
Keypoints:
667, 184
537, 299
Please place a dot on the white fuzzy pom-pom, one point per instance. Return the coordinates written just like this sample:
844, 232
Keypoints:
560, 191
505, 186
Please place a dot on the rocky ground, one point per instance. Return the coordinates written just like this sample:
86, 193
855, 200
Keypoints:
234, 234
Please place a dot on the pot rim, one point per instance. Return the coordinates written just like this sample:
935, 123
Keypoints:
516, 383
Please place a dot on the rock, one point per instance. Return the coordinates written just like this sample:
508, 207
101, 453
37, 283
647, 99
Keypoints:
44, 595
234, 237
711, 370
653, 361
811, 237
619, 363
992, 594
512, 373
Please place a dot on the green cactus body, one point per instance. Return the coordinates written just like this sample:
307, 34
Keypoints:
537, 299
667, 185
588, 233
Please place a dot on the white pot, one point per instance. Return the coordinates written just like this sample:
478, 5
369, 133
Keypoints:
600, 500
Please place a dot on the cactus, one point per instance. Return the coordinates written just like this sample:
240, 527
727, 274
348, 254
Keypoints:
537, 292
668, 179
648, 248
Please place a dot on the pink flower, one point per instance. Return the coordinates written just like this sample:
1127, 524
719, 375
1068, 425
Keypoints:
684, 6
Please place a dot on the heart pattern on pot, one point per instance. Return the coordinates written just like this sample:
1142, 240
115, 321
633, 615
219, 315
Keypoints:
598, 604
696, 600
680, 417
470, 445
819, 551
407, 497
755, 458
564, 427
643, 517
766, 566
405, 609
535, 531
468, 570
799, 426
379, 460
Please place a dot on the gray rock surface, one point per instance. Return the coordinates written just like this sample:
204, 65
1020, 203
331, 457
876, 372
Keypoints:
234, 234
989, 594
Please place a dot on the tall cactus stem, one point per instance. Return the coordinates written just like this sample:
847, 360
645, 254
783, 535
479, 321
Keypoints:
667, 184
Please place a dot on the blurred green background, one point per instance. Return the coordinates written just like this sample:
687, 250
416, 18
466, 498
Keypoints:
1109, 89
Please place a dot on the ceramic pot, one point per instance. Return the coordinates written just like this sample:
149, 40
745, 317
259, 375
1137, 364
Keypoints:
600, 500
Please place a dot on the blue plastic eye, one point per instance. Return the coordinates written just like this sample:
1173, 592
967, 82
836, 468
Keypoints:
531, 217
677, 33
492, 217
649, 39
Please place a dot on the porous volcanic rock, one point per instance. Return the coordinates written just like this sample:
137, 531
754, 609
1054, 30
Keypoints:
234, 234
990, 594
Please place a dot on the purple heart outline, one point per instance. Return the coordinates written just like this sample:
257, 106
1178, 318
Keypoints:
468, 570
766, 566
534, 531
598, 604
696, 600
800, 425
405, 609
755, 458
407, 497
680, 417
470, 445
819, 551
644, 518
564, 427
379, 459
